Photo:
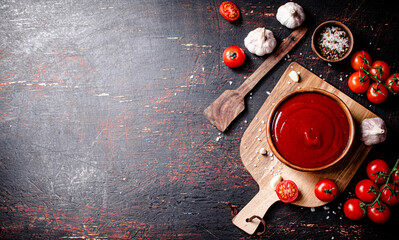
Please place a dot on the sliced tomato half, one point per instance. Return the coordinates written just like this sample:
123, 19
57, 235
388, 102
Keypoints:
287, 191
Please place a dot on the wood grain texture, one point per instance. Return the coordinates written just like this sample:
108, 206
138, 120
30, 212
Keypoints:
264, 167
102, 133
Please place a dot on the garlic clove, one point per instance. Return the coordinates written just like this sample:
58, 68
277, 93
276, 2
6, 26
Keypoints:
294, 76
274, 181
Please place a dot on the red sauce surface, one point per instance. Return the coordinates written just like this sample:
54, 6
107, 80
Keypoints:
310, 130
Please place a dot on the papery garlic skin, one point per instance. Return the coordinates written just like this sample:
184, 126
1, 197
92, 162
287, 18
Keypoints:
290, 15
260, 41
373, 131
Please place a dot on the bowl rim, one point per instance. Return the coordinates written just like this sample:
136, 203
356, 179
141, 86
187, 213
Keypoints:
328, 23
343, 106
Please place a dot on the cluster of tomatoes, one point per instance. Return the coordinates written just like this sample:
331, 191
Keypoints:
375, 194
373, 77
233, 56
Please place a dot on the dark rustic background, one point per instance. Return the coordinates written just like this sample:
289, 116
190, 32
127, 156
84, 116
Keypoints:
102, 132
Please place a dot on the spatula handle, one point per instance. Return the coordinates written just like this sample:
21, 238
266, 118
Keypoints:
258, 206
272, 60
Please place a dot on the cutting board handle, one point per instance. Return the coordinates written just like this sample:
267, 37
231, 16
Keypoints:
258, 206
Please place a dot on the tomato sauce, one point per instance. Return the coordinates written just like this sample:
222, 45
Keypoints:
310, 130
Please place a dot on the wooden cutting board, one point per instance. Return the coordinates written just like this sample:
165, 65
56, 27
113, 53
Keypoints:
263, 168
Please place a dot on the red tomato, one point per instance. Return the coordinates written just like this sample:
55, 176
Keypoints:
393, 82
380, 70
361, 59
233, 56
377, 166
366, 190
395, 178
229, 11
387, 196
378, 214
353, 210
377, 93
326, 190
287, 191
358, 82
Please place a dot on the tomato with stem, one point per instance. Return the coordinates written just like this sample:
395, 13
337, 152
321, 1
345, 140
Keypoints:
326, 190
287, 191
377, 170
395, 177
377, 93
379, 213
229, 11
233, 56
390, 194
361, 59
366, 190
393, 82
353, 209
379, 69
359, 82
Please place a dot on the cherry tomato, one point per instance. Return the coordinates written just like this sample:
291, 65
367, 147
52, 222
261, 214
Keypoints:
393, 81
229, 11
377, 93
377, 166
353, 210
395, 178
233, 56
366, 190
361, 59
378, 214
387, 196
358, 82
380, 69
287, 191
326, 190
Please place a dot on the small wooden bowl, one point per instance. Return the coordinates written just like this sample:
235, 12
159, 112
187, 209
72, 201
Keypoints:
316, 34
307, 90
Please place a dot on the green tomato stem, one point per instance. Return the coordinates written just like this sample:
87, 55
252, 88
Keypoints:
378, 80
377, 200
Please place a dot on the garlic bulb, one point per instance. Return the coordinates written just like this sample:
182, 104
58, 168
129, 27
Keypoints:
373, 131
290, 15
260, 41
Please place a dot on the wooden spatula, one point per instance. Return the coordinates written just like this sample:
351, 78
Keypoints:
231, 103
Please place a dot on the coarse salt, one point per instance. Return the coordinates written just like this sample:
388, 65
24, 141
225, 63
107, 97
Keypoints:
333, 39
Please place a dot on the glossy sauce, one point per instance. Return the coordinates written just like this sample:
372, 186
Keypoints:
310, 130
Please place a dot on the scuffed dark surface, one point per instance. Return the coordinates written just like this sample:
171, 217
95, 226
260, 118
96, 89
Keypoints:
102, 132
